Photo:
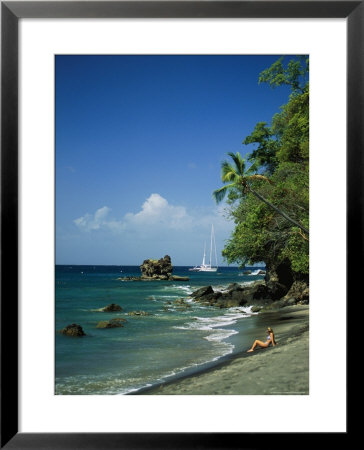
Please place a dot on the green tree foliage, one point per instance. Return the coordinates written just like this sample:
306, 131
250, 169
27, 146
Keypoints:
294, 75
264, 155
276, 182
237, 178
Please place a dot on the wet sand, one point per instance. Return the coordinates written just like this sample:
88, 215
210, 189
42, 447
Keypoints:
279, 370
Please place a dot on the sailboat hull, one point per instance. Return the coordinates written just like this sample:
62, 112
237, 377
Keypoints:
208, 269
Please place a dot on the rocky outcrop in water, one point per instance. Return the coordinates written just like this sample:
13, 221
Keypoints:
113, 323
178, 278
259, 295
138, 313
113, 307
73, 330
234, 295
156, 269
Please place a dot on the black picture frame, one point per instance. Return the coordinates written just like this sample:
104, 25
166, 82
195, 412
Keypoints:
11, 12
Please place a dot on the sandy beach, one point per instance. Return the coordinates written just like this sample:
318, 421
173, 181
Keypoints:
279, 370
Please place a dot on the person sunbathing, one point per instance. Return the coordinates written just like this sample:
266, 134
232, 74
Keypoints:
270, 340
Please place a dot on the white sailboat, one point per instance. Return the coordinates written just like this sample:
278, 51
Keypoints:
207, 267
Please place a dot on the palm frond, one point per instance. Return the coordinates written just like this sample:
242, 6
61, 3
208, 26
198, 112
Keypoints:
219, 194
253, 168
239, 162
261, 177
228, 173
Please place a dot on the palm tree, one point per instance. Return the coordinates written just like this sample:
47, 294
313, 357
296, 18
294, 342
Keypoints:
237, 176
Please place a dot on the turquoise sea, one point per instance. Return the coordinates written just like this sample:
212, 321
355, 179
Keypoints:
169, 342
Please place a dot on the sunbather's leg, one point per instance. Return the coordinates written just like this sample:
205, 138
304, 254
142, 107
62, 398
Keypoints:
260, 343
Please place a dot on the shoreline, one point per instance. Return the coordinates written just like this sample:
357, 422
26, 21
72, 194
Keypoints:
279, 370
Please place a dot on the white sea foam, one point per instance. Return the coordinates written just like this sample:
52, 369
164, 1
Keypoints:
220, 335
214, 326
185, 288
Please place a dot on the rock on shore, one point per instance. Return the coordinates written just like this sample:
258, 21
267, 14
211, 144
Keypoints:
258, 294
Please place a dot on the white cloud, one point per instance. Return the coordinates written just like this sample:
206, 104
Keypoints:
156, 216
155, 229
157, 211
90, 222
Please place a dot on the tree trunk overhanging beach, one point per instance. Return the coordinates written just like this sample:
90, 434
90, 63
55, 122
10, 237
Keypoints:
279, 211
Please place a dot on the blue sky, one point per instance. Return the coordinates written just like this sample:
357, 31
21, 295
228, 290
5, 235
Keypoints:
139, 145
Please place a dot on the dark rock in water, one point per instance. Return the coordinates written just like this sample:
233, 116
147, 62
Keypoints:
256, 308
181, 303
236, 295
112, 308
113, 323
238, 298
138, 313
157, 268
278, 304
202, 291
74, 330
129, 279
278, 290
233, 286
178, 278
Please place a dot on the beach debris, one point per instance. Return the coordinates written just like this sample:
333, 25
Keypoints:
113, 323
73, 330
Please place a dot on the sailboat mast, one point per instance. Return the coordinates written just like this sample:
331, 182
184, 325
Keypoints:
215, 250
212, 231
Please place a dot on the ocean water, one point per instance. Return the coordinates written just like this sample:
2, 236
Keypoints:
169, 342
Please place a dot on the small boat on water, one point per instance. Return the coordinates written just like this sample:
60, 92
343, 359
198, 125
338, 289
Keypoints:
207, 267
